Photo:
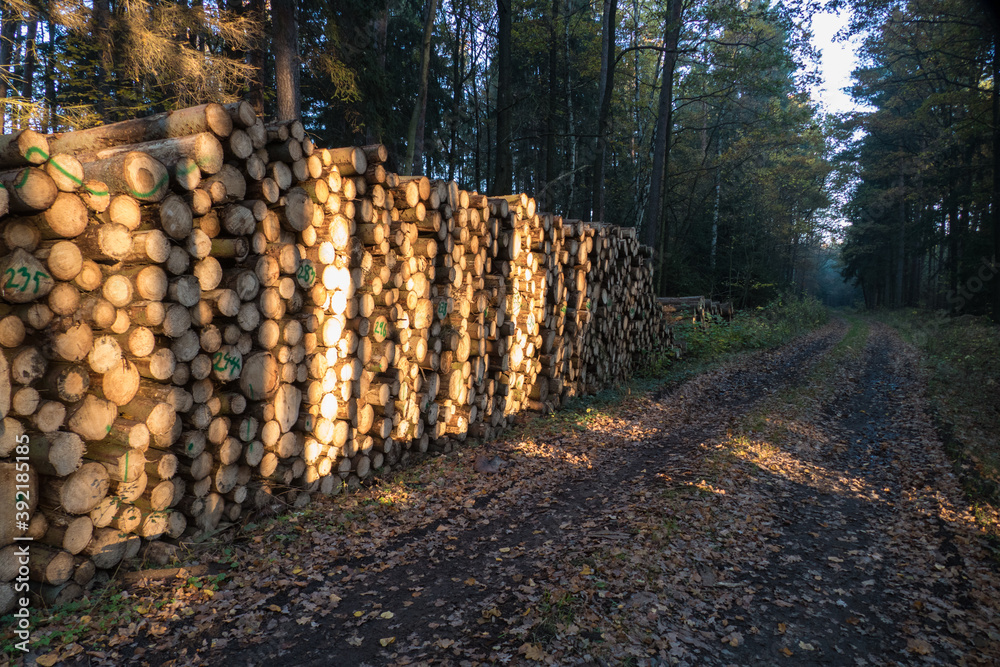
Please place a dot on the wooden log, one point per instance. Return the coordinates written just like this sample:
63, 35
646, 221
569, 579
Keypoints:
175, 217
124, 464
23, 147
66, 217
158, 415
66, 172
48, 565
92, 418
158, 366
68, 532
241, 113
106, 548
180, 123
23, 278
349, 161
133, 172
57, 453
231, 179
29, 190
64, 260
73, 344
79, 492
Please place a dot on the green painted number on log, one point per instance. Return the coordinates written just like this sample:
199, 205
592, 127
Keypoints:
29, 277
380, 328
222, 362
442, 309
307, 274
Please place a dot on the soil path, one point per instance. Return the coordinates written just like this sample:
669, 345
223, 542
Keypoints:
792, 508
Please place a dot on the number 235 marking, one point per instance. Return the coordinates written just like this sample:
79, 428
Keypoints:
28, 278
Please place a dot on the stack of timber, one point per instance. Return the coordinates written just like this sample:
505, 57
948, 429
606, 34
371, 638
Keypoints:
696, 308
202, 314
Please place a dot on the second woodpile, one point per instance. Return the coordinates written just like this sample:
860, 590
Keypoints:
695, 308
203, 314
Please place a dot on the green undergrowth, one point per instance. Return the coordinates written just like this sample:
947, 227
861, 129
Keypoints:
706, 346
961, 358
759, 328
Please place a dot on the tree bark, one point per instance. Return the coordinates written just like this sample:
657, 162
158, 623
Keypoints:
898, 299
30, 60
286, 58
605, 88
415, 135
11, 21
50, 79
656, 224
503, 175
258, 60
458, 68
545, 198
995, 208
102, 33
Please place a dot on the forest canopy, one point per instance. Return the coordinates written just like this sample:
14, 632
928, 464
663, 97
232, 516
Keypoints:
688, 119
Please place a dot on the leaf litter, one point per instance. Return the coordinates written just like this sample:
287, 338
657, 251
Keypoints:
792, 506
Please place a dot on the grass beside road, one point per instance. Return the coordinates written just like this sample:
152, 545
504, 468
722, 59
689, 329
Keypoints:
961, 357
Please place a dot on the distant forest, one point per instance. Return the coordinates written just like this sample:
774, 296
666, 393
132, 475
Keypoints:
688, 119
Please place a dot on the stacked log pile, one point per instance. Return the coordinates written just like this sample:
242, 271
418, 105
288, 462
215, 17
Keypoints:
202, 314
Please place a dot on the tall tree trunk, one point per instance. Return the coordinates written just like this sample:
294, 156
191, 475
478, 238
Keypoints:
900, 242
102, 32
570, 125
503, 176
286, 59
475, 107
11, 22
546, 197
28, 73
50, 79
995, 208
415, 135
457, 72
654, 233
715, 213
605, 87
257, 58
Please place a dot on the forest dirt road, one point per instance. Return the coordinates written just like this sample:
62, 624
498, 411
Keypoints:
791, 508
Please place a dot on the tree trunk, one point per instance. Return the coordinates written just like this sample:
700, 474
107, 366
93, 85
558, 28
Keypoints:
900, 243
457, 70
258, 60
477, 171
415, 136
11, 22
50, 80
286, 58
570, 125
605, 88
102, 33
546, 199
30, 60
995, 209
503, 176
656, 225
